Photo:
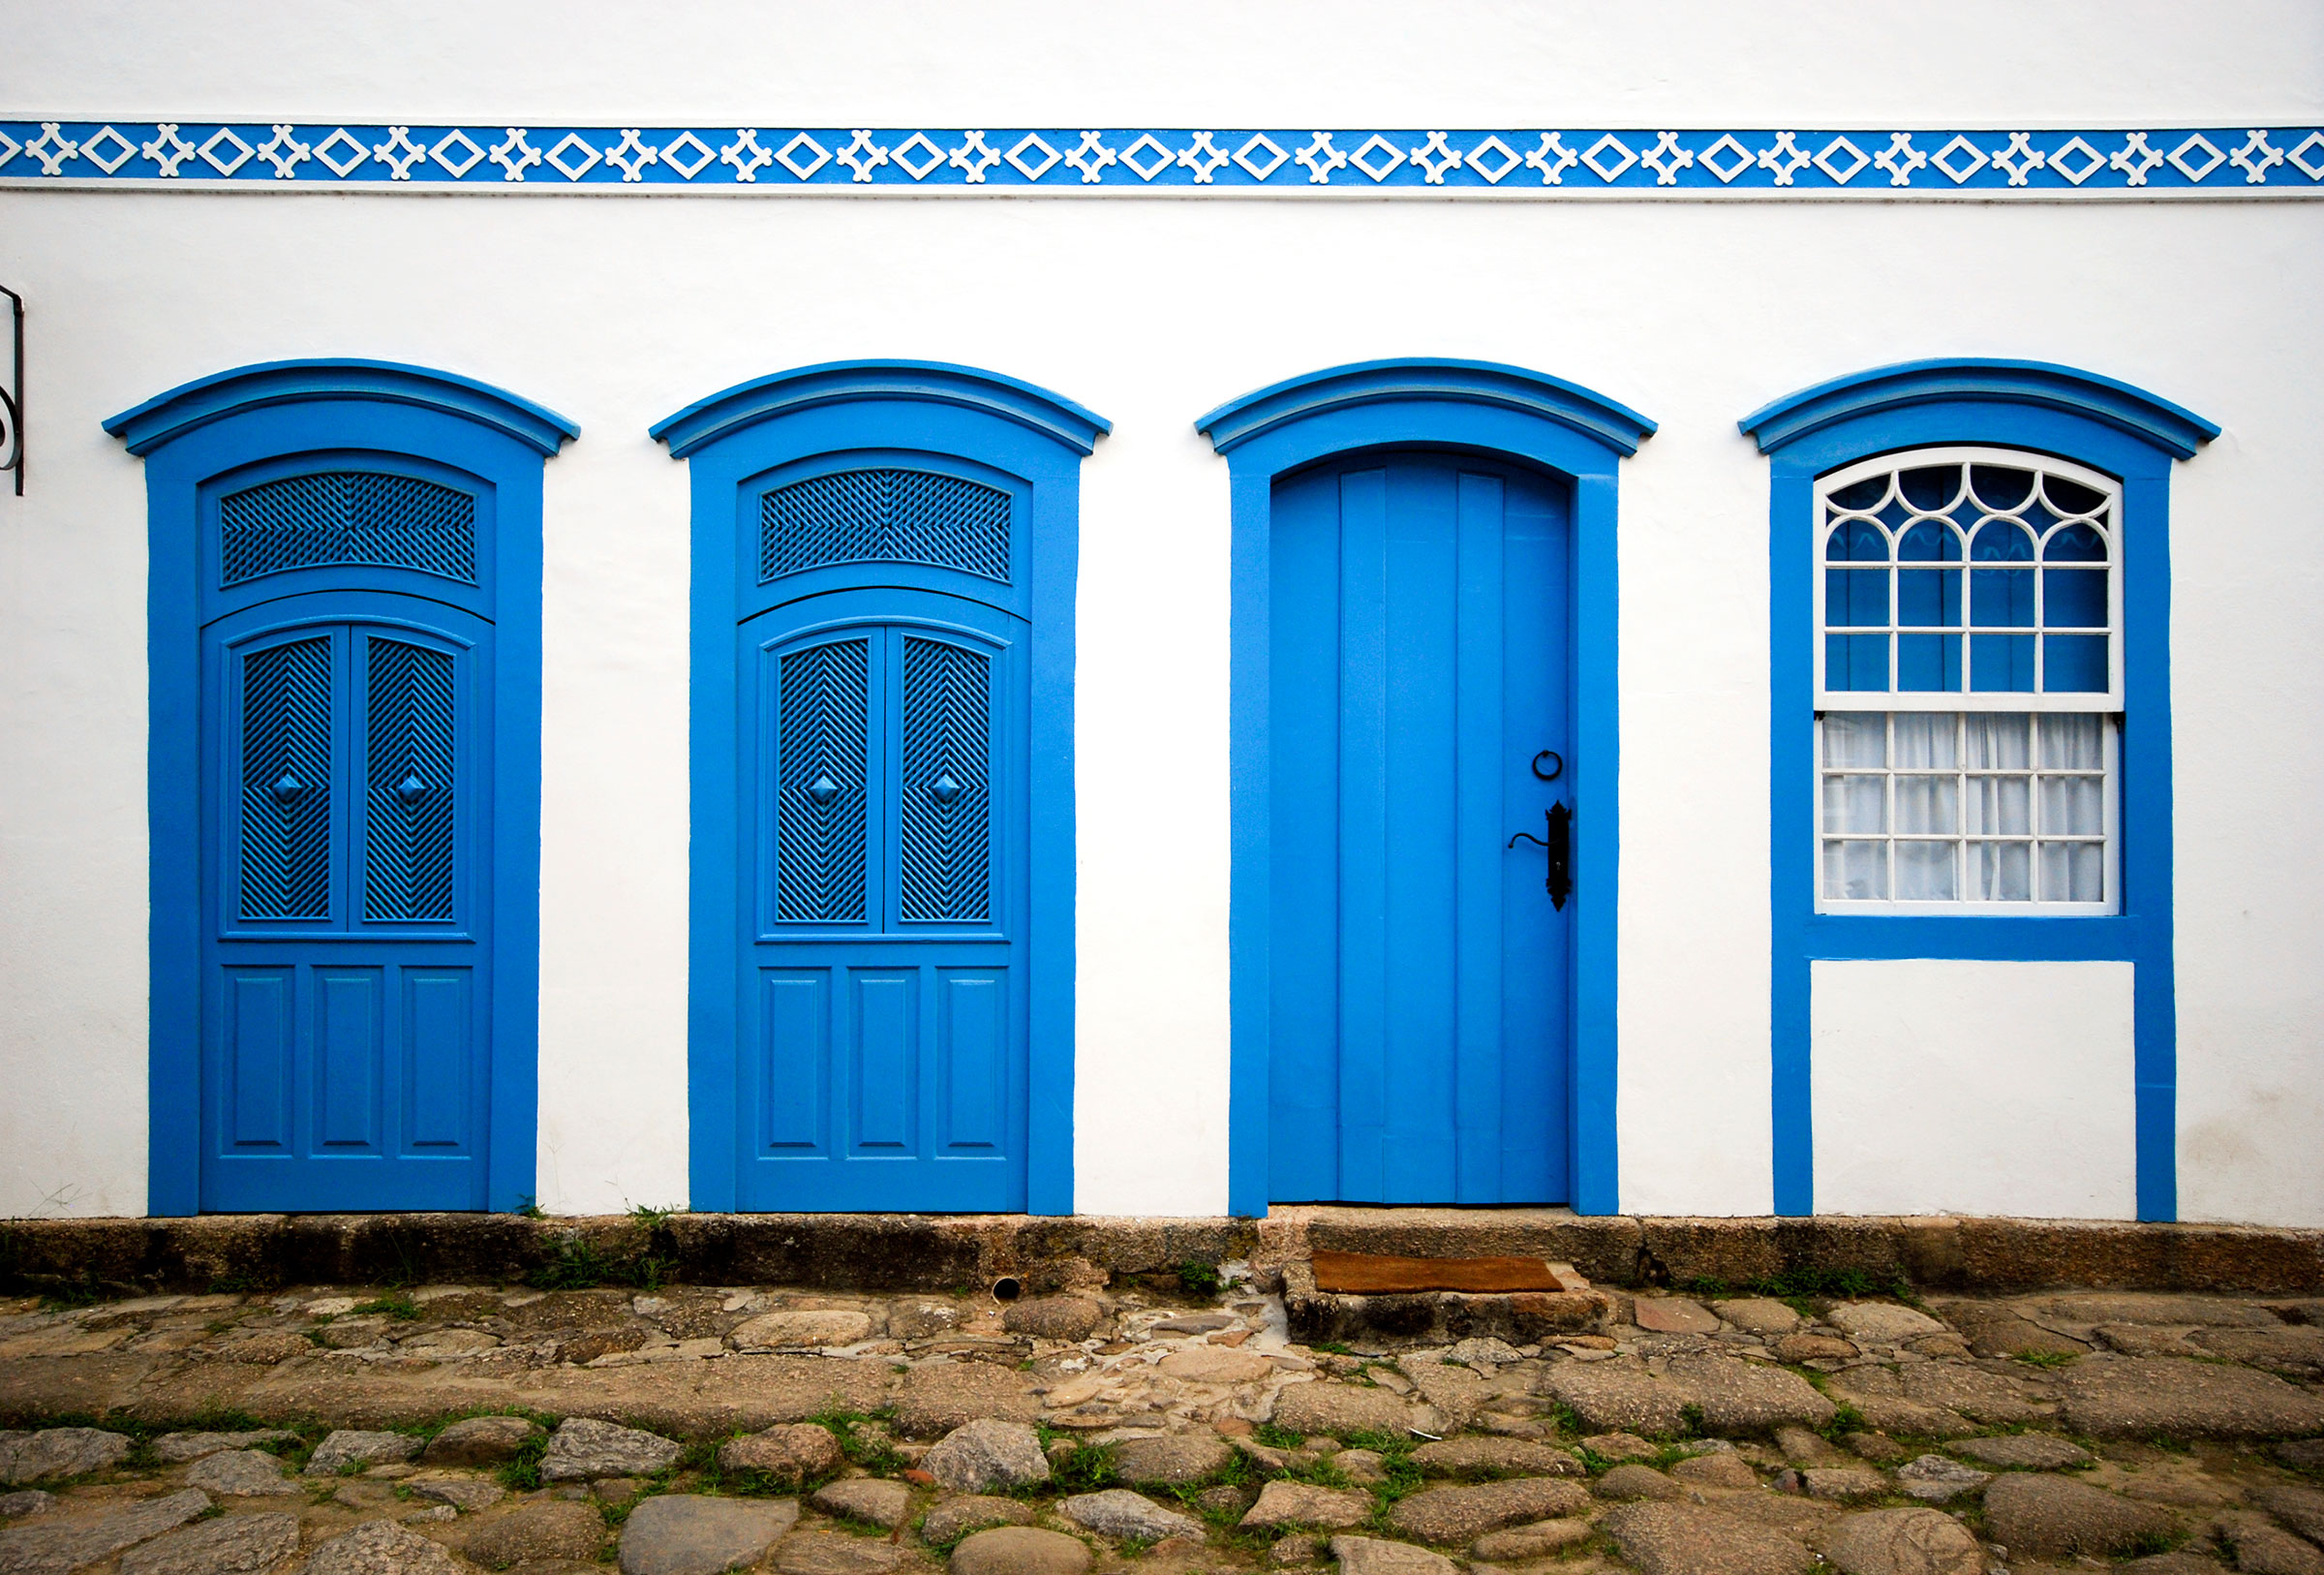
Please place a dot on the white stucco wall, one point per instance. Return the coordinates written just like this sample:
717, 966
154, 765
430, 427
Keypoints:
1974, 1088
617, 312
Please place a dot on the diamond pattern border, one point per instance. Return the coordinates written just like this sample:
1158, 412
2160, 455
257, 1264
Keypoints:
1801, 161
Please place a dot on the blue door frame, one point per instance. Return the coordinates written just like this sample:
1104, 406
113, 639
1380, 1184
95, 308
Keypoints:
738, 443
1496, 412
283, 418
2127, 433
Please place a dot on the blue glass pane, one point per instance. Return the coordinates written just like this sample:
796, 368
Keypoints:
1926, 597
2000, 598
1929, 543
1861, 494
2071, 497
1858, 540
1858, 661
2001, 487
2073, 598
1856, 598
2072, 664
1928, 661
2075, 544
1998, 541
1930, 487
2001, 663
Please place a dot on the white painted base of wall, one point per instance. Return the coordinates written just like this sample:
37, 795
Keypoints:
1975, 1088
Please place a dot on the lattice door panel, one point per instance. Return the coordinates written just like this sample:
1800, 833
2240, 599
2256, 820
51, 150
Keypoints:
821, 775
884, 516
411, 796
331, 518
944, 803
288, 729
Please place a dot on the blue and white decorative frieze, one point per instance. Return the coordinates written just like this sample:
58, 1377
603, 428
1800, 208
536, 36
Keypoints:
1885, 164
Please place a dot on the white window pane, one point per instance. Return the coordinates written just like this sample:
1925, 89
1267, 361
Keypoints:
1855, 738
1928, 803
1924, 741
2074, 872
1996, 741
2000, 806
2000, 871
1855, 804
1857, 871
2072, 742
1924, 872
2072, 805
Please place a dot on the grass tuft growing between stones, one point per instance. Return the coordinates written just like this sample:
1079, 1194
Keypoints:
859, 1442
2046, 1360
1085, 1468
520, 1472
396, 1305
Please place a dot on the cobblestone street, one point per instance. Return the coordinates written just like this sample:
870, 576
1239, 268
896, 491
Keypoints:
344, 1430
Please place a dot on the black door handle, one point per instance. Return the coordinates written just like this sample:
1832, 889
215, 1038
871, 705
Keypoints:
1559, 845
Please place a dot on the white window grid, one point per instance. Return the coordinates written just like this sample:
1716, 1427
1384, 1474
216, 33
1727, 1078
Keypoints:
2106, 519
2043, 824
2045, 786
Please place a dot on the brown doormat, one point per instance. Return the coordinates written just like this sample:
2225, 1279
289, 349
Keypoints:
1371, 1272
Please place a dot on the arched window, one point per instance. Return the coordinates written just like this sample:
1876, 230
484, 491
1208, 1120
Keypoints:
1969, 566
1968, 682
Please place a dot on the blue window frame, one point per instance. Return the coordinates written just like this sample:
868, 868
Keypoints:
2013, 647
1442, 405
882, 851
343, 657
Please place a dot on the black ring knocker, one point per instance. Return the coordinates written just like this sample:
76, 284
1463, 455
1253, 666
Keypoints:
1557, 768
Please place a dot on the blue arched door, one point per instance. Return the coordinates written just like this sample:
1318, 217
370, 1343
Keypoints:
882, 996
346, 784
1419, 661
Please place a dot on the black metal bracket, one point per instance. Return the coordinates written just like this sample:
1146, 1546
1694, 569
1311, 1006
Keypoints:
12, 397
1559, 845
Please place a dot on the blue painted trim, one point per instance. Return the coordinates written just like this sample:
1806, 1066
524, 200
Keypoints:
1424, 378
2001, 409
734, 410
2039, 384
180, 461
171, 415
1503, 411
1540, 162
733, 440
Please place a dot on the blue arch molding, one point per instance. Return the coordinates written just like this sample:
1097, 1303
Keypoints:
191, 405
1489, 384
250, 414
1508, 410
2038, 385
802, 388
2056, 410
980, 417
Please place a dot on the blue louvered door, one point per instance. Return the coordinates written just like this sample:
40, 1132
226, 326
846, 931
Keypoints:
1419, 661
345, 935
882, 1004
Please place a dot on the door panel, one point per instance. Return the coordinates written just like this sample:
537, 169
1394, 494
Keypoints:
1417, 1051
879, 984
345, 1044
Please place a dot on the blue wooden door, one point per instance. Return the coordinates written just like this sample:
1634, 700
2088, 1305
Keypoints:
1418, 1044
346, 781
883, 1002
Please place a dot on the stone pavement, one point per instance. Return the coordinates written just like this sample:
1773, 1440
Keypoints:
686, 1431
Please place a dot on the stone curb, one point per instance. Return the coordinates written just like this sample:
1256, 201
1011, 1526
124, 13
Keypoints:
944, 1252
